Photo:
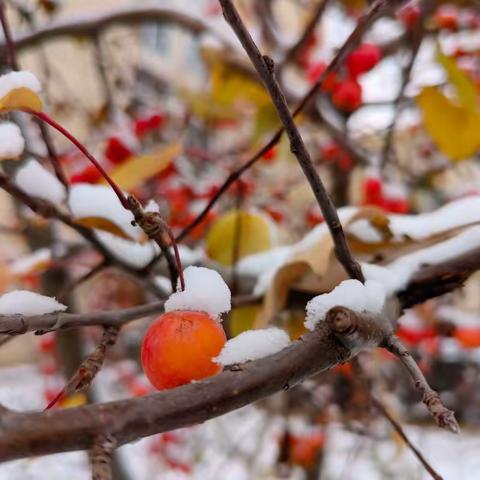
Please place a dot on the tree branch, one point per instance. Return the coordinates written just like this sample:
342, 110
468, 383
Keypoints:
444, 417
89, 25
24, 434
265, 68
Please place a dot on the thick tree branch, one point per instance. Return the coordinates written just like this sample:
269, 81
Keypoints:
265, 68
23, 434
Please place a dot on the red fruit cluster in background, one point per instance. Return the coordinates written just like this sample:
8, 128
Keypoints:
270, 155
313, 216
145, 125
409, 15
89, 174
304, 449
373, 194
347, 96
116, 151
363, 59
346, 92
332, 152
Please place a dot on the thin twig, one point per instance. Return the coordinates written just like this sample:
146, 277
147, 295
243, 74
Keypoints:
101, 455
416, 42
10, 44
362, 26
308, 31
444, 417
265, 68
91, 365
401, 432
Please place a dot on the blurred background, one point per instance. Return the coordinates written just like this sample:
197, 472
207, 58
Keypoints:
165, 97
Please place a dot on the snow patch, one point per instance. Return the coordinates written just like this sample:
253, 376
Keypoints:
137, 255
86, 200
23, 302
353, 294
396, 275
37, 181
13, 80
28, 263
252, 345
11, 141
205, 290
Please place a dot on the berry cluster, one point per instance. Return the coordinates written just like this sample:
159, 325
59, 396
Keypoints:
344, 88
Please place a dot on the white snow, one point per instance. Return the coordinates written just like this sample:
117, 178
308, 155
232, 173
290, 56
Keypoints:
11, 141
13, 80
135, 254
37, 181
452, 215
152, 207
252, 345
205, 290
28, 263
24, 302
395, 276
368, 297
266, 264
86, 200
458, 213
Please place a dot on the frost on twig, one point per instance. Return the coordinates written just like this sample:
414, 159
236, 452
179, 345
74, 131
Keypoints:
444, 417
87, 371
101, 457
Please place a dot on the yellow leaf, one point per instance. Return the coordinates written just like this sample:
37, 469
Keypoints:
20, 98
453, 128
139, 168
104, 224
255, 236
229, 86
74, 400
466, 91
242, 318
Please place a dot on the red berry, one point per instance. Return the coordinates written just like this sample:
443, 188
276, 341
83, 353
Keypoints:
347, 96
270, 155
116, 151
363, 59
446, 17
409, 15
276, 214
315, 71
313, 216
179, 347
90, 174
373, 191
144, 125
47, 343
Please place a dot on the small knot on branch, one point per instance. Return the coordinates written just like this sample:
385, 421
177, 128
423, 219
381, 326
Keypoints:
269, 63
356, 331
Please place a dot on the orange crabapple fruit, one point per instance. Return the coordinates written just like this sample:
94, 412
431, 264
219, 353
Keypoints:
179, 347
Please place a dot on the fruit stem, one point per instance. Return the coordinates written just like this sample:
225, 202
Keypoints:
50, 121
